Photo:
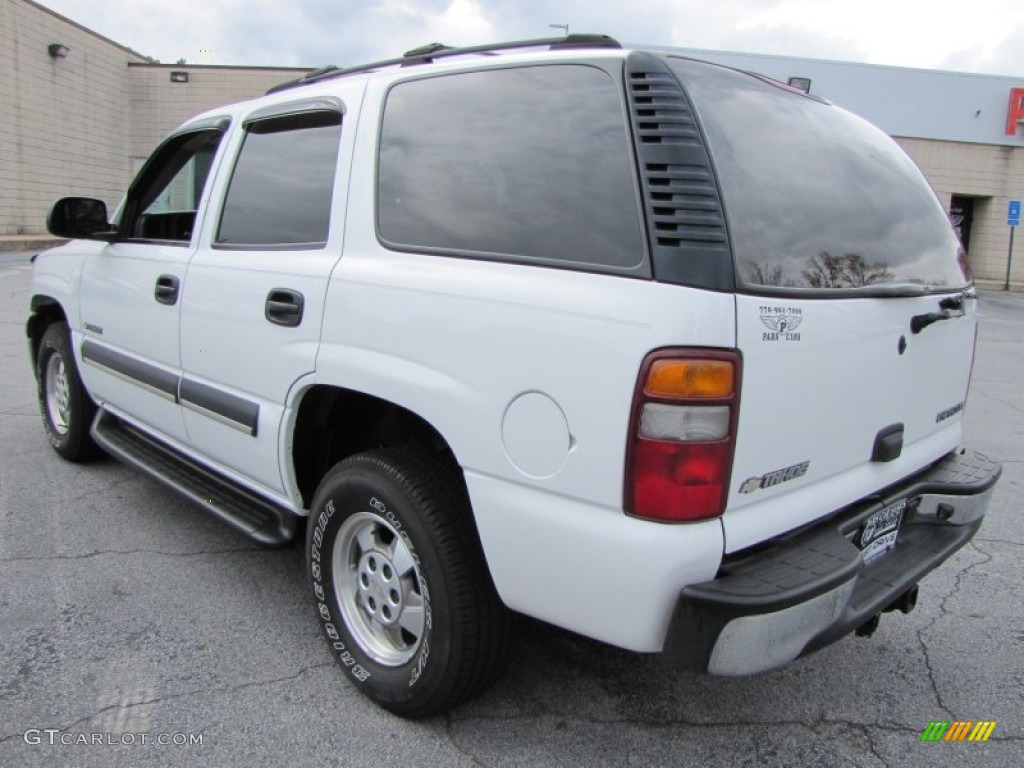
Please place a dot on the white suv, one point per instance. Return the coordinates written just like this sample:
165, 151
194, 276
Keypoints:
661, 352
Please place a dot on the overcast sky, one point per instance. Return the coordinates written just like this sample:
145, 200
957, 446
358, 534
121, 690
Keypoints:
970, 35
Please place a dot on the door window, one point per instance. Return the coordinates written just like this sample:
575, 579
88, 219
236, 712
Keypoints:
163, 200
282, 185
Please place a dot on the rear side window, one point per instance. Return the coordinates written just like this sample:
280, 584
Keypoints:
282, 184
817, 198
519, 164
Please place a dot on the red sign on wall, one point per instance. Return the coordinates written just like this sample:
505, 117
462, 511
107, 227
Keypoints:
1015, 113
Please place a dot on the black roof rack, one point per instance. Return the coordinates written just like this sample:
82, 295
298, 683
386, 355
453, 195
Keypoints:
428, 53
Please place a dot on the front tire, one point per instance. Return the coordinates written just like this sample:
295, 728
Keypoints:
64, 404
402, 590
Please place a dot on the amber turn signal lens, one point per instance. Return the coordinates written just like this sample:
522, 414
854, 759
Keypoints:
690, 378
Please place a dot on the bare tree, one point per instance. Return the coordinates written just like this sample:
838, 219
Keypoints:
848, 271
764, 274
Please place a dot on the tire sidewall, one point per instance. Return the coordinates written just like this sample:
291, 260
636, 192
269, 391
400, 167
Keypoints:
353, 488
55, 341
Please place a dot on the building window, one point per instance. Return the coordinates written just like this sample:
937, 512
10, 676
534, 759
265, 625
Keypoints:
961, 214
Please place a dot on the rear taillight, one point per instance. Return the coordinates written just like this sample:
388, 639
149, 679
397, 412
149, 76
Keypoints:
682, 435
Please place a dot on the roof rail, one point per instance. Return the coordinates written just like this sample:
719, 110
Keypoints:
428, 53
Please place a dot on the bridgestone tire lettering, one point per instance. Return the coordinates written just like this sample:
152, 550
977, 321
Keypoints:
421, 499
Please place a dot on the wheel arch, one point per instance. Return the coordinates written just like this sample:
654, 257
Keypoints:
46, 311
333, 423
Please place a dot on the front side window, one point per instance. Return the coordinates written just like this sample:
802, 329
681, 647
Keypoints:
163, 201
531, 163
281, 188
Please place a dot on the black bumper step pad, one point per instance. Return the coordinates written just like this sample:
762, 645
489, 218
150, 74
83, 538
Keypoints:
813, 561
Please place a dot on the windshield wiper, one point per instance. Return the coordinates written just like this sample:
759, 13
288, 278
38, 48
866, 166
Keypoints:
957, 302
884, 290
919, 322
949, 307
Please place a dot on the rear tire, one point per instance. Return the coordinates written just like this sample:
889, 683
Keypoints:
64, 404
402, 590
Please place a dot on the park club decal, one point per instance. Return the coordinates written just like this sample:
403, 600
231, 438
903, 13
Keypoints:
781, 322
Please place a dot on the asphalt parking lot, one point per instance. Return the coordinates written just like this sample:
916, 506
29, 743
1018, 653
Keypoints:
126, 611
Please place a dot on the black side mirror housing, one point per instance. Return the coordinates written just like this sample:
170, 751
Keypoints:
80, 218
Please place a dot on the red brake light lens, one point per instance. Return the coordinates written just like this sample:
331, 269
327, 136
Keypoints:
679, 461
676, 482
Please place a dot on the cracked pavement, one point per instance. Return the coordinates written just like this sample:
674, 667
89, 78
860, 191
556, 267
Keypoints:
126, 610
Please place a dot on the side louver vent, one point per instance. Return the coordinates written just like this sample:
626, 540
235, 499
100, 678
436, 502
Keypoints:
686, 223
661, 112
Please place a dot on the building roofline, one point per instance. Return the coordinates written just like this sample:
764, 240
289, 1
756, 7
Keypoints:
145, 61
141, 56
840, 62
161, 65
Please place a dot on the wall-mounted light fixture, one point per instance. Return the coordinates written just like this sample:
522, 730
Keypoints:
58, 50
800, 83
179, 77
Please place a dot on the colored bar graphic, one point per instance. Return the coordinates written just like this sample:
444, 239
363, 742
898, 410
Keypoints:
982, 731
935, 731
959, 730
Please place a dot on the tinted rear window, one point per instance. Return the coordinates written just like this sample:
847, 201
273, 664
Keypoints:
817, 198
531, 163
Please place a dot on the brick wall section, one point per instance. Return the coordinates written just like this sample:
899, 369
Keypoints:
64, 121
81, 125
995, 175
158, 105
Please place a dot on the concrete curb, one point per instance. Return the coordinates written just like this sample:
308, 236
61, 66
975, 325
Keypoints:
10, 243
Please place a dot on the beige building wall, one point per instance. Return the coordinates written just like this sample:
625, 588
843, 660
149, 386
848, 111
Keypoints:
992, 175
159, 105
82, 125
63, 121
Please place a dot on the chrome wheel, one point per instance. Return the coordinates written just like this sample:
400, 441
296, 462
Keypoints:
378, 587
58, 394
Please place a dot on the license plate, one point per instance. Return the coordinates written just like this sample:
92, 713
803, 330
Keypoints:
878, 535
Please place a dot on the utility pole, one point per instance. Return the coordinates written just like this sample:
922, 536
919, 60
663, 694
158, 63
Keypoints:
1013, 220
1009, 259
564, 27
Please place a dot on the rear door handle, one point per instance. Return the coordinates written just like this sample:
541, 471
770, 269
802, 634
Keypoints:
166, 291
284, 307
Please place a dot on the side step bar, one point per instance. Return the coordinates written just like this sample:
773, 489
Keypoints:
258, 518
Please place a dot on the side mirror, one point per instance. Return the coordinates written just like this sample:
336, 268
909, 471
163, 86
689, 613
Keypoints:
80, 218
